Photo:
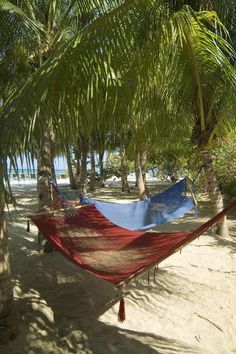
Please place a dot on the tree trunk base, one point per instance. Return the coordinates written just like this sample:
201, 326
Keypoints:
9, 327
101, 184
222, 229
73, 186
214, 192
44, 244
48, 247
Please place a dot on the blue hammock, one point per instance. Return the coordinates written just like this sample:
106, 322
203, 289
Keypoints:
149, 213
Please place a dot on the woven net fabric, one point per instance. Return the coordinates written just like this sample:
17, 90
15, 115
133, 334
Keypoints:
149, 213
106, 250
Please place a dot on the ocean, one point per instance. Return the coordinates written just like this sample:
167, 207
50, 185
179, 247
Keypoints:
24, 173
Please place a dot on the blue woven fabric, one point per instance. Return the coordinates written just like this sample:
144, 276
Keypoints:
149, 213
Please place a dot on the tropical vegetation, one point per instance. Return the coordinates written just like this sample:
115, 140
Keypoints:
143, 76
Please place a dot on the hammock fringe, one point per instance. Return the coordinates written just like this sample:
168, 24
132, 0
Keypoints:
121, 313
28, 226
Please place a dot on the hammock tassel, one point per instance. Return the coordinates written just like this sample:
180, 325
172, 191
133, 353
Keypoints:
28, 226
154, 273
121, 313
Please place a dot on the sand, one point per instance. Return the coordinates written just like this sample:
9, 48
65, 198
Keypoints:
190, 308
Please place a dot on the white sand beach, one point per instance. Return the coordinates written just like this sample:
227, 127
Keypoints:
190, 308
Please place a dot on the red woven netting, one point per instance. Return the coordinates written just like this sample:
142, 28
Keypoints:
108, 251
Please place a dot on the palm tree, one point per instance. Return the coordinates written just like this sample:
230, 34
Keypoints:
226, 11
21, 25
92, 184
38, 30
129, 71
71, 174
9, 327
134, 57
123, 168
195, 89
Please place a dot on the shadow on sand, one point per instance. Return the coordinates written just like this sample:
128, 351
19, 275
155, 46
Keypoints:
60, 306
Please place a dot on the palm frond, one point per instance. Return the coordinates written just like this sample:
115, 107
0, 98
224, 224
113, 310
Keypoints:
135, 64
17, 27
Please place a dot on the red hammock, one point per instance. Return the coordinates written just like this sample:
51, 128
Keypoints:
108, 251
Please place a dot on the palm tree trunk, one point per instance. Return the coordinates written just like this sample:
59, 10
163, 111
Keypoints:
8, 317
101, 168
54, 177
92, 174
72, 178
214, 191
123, 167
10, 198
141, 174
83, 174
45, 192
77, 153
136, 173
